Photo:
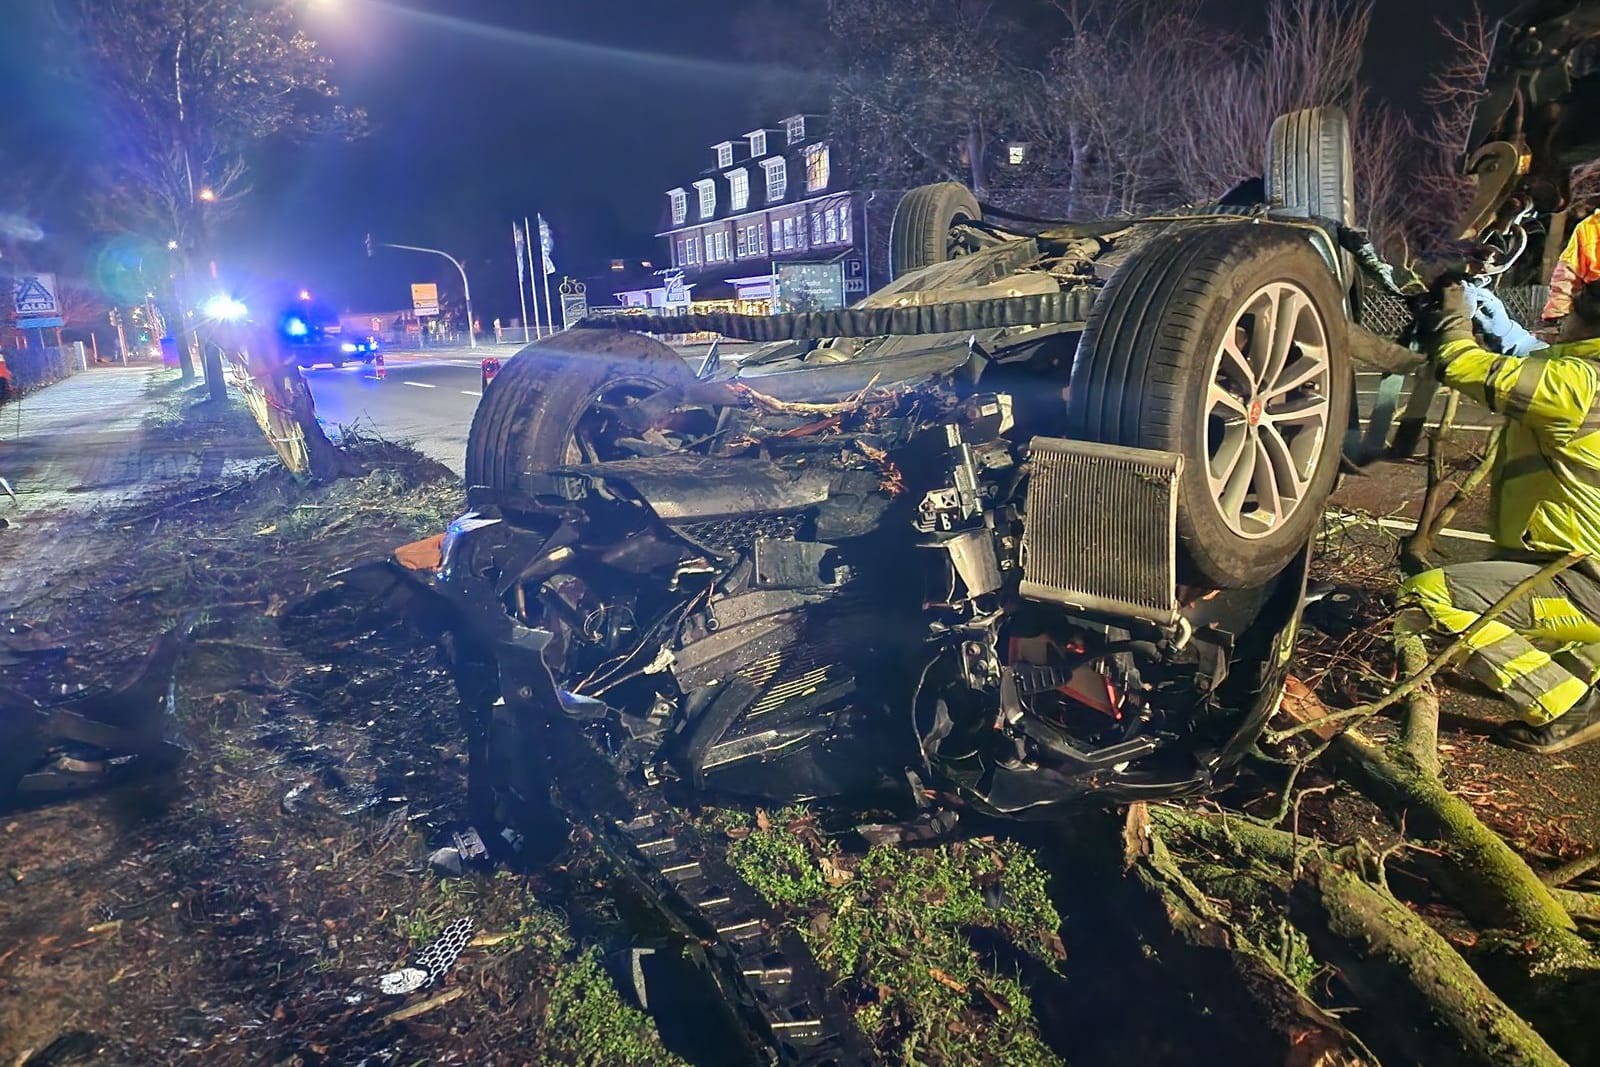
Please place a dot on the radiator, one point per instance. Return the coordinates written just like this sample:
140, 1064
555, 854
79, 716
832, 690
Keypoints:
1100, 533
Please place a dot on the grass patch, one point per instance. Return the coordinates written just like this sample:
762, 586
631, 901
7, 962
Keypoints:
894, 925
588, 1025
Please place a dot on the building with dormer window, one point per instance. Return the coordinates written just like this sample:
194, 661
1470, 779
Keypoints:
770, 207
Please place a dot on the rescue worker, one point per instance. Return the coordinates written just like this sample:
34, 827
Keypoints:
1578, 266
1542, 655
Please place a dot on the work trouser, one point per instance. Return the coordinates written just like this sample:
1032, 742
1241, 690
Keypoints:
1542, 654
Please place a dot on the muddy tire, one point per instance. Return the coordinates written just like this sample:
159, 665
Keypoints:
920, 233
1227, 345
528, 420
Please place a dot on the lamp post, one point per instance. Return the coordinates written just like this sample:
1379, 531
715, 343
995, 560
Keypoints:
466, 290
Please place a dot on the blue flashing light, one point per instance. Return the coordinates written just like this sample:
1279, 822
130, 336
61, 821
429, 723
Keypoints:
349, 346
295, 327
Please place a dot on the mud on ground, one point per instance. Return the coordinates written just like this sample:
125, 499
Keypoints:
240, 910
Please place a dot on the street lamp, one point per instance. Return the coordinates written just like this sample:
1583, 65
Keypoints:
466, 290
207, 194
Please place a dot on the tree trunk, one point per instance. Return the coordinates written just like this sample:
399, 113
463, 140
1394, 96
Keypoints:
1423, 1002
281, 401
1314, 1036
1486, 879
1412, 973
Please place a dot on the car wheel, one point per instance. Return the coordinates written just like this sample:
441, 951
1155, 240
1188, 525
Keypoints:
338, 363
1226, 344
549, 406
1310, 164
920, 233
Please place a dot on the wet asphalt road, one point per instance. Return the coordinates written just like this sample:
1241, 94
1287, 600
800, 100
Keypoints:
425, 398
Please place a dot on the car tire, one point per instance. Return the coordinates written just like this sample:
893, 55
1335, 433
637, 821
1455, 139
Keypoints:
526, 421
920, 233
337, 364
1311, 165
1150, 372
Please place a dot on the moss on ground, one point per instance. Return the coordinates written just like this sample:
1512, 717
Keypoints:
588, 1025
894, 925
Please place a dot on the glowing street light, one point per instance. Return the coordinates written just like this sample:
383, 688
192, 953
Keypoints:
172, 246
207, 194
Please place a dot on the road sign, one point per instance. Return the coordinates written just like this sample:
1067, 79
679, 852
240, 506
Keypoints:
424, 299
35, 301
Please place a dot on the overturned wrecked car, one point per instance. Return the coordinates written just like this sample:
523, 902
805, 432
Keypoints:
1029, 523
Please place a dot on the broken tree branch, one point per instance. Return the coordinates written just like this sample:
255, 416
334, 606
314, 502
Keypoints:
1406, 960
1453, 652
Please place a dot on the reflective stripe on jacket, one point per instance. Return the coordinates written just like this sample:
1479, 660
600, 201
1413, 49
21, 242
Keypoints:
1579, 264
1546, 482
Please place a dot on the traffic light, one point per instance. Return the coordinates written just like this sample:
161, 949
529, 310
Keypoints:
369, 244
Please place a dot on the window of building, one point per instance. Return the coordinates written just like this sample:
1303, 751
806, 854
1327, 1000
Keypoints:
777, 179
694, 251
680, 206
777, 236
758, 143
794, 129
738, 189
788, 234
742, 246
816, 167
708, 197
844, 222
682, 256
758, 236
830, 219
724, 155
816, 229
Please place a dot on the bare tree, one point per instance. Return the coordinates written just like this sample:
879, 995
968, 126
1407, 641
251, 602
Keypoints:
191, 89
1452, 96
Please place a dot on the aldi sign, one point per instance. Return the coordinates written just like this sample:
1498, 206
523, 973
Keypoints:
36, 301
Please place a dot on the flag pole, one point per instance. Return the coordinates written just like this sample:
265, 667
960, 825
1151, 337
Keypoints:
549, 268
533, 275
517, 238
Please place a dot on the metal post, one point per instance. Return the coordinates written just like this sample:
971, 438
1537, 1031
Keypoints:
466, 290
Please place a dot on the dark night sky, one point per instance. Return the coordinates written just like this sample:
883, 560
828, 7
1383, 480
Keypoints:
484, 110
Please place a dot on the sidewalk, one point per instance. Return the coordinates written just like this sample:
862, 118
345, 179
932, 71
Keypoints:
88, 442
88, 445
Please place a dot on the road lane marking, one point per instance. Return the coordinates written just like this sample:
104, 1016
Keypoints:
1407, 526
421, 385
469, 392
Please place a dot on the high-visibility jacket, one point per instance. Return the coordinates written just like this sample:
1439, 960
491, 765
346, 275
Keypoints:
1546, 477
1578, 266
